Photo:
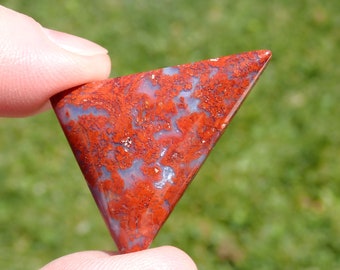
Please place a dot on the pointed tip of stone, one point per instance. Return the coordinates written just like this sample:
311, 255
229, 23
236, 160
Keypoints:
264, 55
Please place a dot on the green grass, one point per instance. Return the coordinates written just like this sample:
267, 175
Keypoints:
268, 197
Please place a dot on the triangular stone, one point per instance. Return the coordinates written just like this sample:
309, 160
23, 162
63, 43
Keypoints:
140, 139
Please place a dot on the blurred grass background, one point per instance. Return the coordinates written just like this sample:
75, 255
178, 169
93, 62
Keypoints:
268, 197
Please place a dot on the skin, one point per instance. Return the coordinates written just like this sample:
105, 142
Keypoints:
36, 63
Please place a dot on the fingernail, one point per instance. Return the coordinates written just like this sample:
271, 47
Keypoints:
74, 44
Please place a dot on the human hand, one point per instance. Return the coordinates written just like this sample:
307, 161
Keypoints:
35, 64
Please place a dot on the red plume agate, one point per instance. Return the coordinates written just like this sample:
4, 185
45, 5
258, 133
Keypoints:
140, 139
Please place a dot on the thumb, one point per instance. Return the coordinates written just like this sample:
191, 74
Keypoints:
36, 63
162, 258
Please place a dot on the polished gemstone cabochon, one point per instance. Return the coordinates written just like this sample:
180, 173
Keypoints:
140, 139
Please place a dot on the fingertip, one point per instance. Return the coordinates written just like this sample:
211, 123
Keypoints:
161, 258
38, 63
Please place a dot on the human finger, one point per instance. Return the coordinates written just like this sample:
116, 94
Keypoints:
36, 63
162, 258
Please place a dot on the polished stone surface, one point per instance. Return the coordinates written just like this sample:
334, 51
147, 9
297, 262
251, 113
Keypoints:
140, 139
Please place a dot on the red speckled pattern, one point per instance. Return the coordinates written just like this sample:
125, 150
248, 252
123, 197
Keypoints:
140, 139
